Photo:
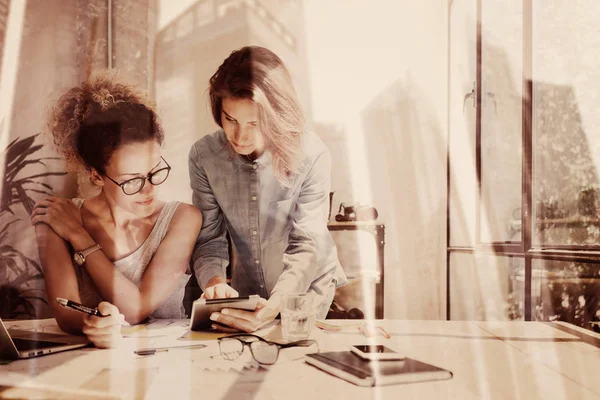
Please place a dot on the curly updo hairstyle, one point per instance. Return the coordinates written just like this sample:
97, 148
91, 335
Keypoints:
89, 122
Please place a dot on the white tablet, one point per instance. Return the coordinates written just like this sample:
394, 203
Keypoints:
202, 308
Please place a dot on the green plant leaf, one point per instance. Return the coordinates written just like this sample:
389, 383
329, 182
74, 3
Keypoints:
40, 191
22, 165
23, 292
29, 178
38, 183
18, 160
43, 300
11, 143
18, 154
8, 210
19, 165
4, 230
11, 264
11, 257
19, 146
25, 278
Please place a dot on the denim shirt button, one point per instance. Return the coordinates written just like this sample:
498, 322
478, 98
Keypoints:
254, 232
254, 166
254, 198
256, 261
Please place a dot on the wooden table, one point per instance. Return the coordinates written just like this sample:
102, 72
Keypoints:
490, 360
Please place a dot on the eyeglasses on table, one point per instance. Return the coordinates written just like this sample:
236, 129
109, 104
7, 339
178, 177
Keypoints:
263, 351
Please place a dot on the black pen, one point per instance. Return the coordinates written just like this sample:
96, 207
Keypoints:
152, 350
84, 309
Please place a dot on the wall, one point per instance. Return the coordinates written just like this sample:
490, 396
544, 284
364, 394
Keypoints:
379, 73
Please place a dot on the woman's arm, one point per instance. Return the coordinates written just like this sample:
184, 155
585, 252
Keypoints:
309, 228
59, 277
160, 278
211, 253
61, 281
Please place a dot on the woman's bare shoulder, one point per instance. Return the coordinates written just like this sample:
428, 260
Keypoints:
187, 214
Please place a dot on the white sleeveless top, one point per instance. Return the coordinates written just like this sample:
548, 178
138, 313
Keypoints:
134, 265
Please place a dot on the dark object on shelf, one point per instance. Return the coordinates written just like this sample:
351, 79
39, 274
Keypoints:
356, 212
336, 312
595, 323
377, 230
330, 205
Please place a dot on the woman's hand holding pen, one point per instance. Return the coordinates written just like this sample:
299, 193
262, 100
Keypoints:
104, 332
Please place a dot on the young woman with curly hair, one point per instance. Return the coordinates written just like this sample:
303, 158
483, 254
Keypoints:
136, 248
264, 179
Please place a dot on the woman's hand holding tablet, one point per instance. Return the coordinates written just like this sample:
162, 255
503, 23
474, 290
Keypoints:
203, 308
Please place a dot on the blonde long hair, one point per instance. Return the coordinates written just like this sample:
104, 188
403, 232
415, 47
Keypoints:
258, 74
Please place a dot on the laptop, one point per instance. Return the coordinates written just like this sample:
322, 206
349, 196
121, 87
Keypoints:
15, 344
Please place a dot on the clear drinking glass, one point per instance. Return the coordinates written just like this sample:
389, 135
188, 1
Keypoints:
298, 315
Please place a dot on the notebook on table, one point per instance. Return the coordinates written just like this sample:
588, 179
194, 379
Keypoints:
350, 367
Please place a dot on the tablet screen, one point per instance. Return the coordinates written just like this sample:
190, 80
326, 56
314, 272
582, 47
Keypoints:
202, 308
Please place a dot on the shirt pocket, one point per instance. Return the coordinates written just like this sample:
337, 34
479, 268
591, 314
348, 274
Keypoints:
279, 220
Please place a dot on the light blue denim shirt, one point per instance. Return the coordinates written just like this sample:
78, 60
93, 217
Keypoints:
279, 234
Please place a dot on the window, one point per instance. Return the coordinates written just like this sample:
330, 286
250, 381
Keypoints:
523, 161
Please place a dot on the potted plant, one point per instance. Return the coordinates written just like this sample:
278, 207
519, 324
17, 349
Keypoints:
19, 285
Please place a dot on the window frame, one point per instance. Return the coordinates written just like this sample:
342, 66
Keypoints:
525, 249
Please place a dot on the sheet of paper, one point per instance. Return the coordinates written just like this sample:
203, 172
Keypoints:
156, 328
114, 380
19, 386
52, 393
206, 359
201, 335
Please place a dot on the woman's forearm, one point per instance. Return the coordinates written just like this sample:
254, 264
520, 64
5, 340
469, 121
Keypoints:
115, 288
69, 321
59, 277
112, 285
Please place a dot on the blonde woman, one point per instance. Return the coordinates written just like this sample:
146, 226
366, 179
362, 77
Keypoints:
265, 180
136, 247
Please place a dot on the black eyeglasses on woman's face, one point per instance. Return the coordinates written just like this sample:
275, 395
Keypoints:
263, 351
135, 185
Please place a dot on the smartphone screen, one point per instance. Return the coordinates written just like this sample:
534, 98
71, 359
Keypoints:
374, 349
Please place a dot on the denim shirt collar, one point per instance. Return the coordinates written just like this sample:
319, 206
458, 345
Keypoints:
239, 160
